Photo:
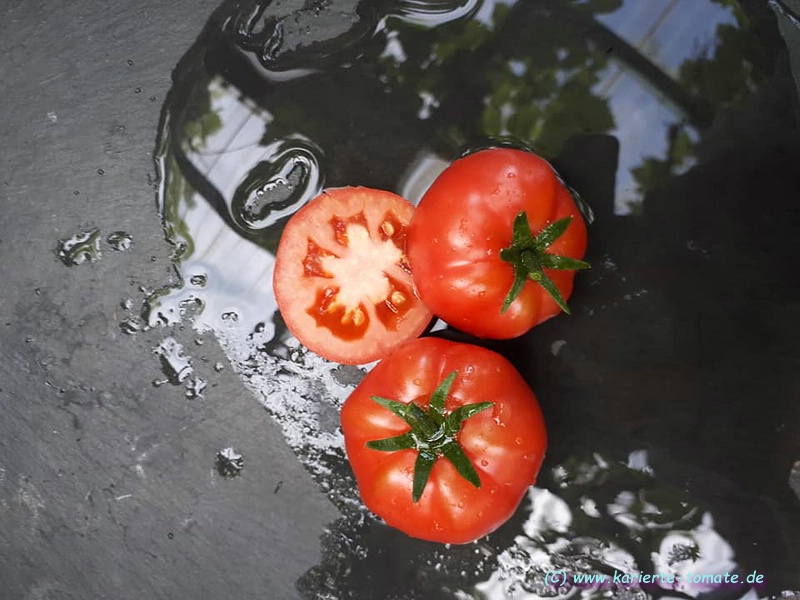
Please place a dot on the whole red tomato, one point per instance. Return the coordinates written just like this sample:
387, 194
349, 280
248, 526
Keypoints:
494, 243
444, 439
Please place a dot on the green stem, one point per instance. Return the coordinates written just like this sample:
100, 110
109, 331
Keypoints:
529, 257
432, 433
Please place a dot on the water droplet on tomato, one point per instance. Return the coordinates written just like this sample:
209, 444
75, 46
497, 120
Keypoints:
484, 463
518, 441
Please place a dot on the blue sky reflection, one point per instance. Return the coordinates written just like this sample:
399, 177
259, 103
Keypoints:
667, 32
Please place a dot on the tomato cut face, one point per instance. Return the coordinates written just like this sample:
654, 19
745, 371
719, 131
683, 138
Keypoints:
342, 279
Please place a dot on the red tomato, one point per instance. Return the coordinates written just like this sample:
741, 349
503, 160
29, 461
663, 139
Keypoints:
495, 221
411, 480
342, 279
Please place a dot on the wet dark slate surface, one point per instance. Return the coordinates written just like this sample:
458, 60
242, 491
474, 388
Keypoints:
108, 486
683, 345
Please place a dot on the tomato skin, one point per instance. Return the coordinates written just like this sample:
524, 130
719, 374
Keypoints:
463, 222
341, 277
505, 443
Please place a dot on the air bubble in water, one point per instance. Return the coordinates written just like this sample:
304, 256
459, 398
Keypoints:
230, 316
199, 280
278, 185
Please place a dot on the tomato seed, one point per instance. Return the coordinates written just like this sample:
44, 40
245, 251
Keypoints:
387, 228
355, 316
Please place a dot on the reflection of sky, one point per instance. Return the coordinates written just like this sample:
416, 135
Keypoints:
667, 32
673, 30
224, 157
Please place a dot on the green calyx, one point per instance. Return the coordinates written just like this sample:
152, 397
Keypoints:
527, 255
433, 435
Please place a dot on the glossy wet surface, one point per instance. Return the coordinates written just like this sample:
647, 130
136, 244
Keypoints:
670, 393
670, 120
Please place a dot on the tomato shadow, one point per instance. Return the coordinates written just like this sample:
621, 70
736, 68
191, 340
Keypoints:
681, 340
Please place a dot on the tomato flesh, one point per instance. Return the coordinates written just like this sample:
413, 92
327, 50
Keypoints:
342, 279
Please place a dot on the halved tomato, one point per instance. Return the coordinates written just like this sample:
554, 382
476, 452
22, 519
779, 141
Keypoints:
342, 279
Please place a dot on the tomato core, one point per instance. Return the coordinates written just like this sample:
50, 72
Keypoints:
341, 311
342, 278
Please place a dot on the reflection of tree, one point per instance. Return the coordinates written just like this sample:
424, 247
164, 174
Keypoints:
187, 122
547, 96
724, 76
727, 75
653, 171
525, 75
529, 72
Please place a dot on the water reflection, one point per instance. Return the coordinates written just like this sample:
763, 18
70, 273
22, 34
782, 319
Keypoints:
255, 126
663, 532
676, 64
226, 186
261, 118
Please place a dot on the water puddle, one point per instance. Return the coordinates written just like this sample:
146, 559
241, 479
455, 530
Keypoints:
229, 462
83, 247
263, 115
120, 241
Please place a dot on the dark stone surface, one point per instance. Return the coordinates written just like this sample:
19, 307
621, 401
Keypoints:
109, 486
